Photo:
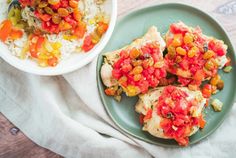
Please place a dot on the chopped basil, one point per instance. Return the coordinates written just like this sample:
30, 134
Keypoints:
205, 47
170, 115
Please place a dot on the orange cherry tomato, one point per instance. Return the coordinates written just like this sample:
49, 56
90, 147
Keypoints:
64, 26
202, 122
53, 61
45, 17
199, 75
102, 28
5, 30
77, 15
73, 3
80, 30
110, 91
33, 51
206, 90
36, 45
39, 43
15, 34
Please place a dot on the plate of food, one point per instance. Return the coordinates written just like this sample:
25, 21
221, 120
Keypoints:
53, 37
168, 79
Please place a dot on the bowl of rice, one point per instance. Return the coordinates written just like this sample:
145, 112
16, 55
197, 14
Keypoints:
54, 37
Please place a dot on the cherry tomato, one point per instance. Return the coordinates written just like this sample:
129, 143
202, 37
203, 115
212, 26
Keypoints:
102, 28
80, 30
141, 116
88, 44
15, 34
202, 122
148, 115
207, 90
52, 61
5, 30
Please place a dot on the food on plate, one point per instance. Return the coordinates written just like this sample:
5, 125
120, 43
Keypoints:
134, 68
193, 56
169, 109
47, 31
217, 105
171, 112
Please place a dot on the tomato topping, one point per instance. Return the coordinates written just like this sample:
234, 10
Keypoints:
183, 141
217, 47
141, 116
126, 68
56, 15
111, 91
207, 90
191, 55
56, 6
202, 122
64, 3
148, 115
175, 29
142, 67
175, 111
199, 75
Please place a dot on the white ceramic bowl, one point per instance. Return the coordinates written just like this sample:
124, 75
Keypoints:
73, 62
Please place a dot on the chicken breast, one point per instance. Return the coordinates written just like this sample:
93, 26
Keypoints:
151, 38
150, 102
192, 54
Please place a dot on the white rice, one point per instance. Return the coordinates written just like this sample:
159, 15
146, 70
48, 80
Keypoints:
16, 46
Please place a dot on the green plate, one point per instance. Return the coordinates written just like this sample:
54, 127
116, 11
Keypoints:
135, 25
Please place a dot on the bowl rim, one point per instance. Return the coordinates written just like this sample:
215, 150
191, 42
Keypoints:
11, 59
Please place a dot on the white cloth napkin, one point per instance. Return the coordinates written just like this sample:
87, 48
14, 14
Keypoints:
65, 115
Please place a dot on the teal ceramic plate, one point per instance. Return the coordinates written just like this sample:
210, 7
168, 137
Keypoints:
135, 25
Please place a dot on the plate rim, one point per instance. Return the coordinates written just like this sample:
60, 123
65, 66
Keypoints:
99, 86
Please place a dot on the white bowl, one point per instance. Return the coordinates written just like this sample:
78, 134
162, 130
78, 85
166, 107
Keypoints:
73, 62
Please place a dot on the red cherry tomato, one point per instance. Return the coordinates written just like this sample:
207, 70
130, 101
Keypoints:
88, 44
